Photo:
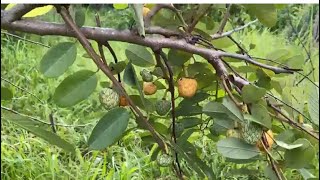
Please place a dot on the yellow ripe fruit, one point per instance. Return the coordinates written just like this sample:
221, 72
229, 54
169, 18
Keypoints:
187, 87
145, 11
269, 137
149, 88
123, 101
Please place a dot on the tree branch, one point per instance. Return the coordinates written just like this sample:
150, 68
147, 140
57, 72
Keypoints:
17, 11
228, 33
292, 123
103, 34
224, 20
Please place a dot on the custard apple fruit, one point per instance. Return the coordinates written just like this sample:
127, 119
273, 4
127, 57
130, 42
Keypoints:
163, 107
109, 98
251, 132
146, 75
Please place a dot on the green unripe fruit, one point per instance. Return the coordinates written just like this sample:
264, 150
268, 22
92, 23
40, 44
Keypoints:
109, 98
251, 132
163, 107
146, 75
179, 127
164, 160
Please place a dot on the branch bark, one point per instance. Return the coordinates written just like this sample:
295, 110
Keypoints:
103, 34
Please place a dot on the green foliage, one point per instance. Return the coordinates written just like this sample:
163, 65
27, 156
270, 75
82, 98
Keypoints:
75, 88
109, 129
236, 149
58, 59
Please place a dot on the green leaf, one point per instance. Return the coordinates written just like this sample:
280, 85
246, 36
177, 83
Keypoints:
139, 56
260, 115
6, 93
279, 55
58, 59
35, 12
138, 10
188, 110
269, 172
251, 93
306, 174
313, 104
189, 160
190, 122
34, 128
177, 57
266, 13
130, 78
296, 61
299, 157
120, 6
288, 146
109, 128
222, 42
235, 148
137, 101
117, 67
198, 97
80, 17
75, 88
221, 125
233, 109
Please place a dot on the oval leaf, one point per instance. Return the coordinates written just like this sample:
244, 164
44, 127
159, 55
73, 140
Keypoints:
251, 93
57, 59
235, 148
138, 10
120, 6
80, 17
313, 104
178, 58
139, 56
35, 12
35, 129
109, 128
300, 157
75, 88
266, 13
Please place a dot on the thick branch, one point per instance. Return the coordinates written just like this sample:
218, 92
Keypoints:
18, 11
103, 34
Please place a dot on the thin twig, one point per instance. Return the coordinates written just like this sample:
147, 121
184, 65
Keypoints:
291, 122
100, 47
171, 89
296, 110
106, 70
25, 39
40, 121
22, 89
224, 20
52, 123
106, 43
274, 167
306, 77
198, 17
228, 33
